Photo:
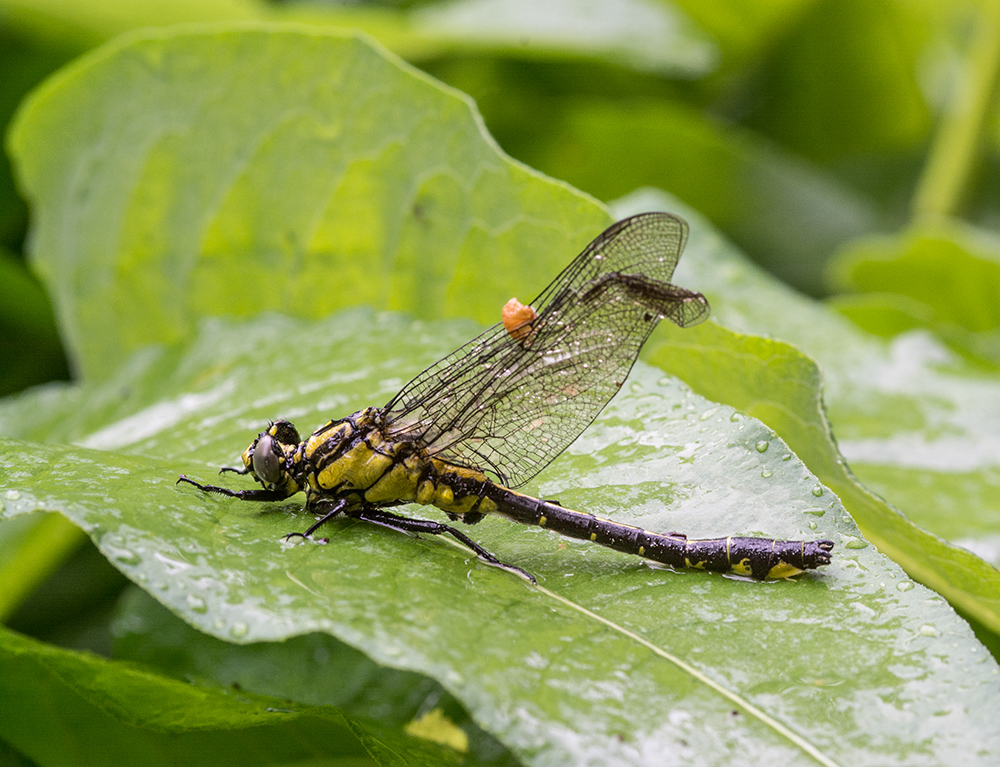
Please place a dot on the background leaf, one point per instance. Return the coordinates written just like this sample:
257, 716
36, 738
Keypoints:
87, 708
893, 399
392, 185
604, 630
943, 471
609, 659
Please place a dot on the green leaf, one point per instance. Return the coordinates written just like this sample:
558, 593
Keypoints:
950, 271
73, 708
185, 205
650, 641
377, 166
940, 464
911, 418
313, 668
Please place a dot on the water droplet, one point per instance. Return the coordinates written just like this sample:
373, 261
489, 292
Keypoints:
123, 555
766, 473
708, 414
736, 417
813, 525
817, 490
196, 603
856, 543
863, 609
904, 585
928, 630
172, 566
762, 446
239, 630
786, 457
13, 495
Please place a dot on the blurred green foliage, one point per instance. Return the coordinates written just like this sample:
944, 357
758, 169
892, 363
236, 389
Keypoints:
850, 147
796, 126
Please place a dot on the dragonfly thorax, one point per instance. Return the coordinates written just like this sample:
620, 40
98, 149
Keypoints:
363, 461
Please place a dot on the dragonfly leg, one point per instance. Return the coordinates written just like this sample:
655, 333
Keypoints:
258, 494
328, 509
409, 525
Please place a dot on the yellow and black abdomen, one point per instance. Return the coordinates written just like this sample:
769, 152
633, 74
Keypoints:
759, 558
414, 477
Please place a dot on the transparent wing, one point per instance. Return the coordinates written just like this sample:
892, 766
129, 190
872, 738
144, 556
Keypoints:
510, 406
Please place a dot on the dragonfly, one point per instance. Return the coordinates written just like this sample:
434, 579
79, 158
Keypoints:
485, 419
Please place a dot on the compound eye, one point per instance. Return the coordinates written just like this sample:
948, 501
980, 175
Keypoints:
266, 461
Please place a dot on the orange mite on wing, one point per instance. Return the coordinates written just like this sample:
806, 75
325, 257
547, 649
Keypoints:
517, 319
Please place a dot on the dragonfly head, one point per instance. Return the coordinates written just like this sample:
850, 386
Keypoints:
270, 456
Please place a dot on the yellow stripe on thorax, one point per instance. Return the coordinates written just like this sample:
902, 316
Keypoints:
380, 475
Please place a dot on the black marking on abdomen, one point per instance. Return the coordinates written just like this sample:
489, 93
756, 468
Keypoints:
755, 557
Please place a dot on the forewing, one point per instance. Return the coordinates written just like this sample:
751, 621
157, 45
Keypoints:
511, 406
